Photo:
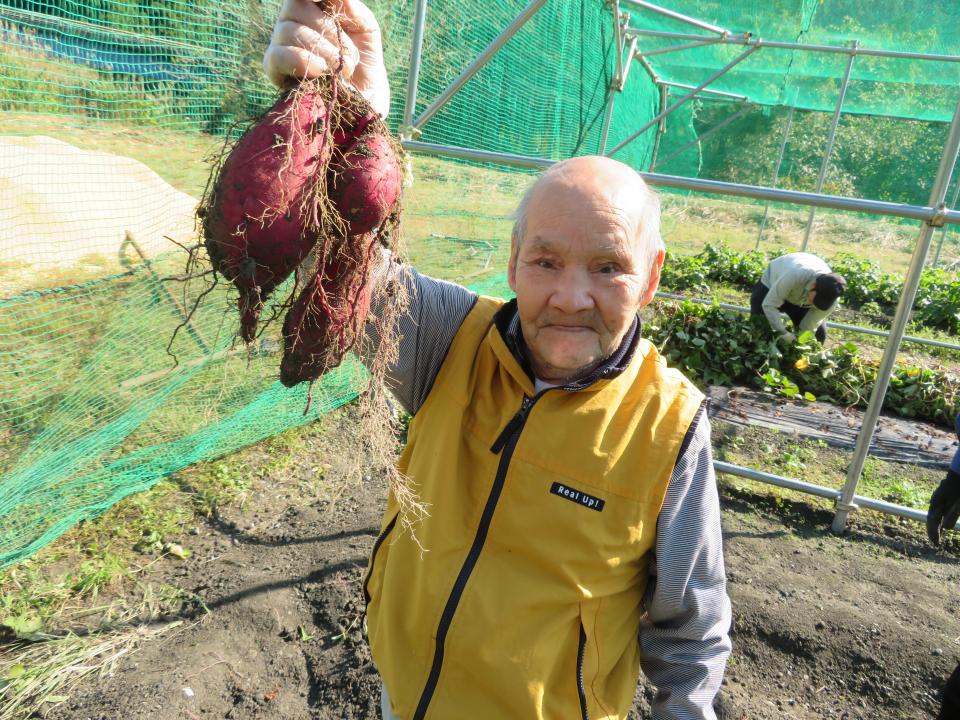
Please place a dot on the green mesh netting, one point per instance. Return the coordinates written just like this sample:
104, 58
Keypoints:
895, 87
885, 88
109, 108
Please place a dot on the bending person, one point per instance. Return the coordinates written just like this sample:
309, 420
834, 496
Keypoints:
804, 287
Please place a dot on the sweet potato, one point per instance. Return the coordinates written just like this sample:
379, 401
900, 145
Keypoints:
326, 320
364, 182
256, 219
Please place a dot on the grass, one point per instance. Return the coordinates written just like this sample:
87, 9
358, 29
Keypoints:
42, 674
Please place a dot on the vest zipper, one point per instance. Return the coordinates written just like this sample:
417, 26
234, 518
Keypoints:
513, 427
505, 442
581, 690
373, 557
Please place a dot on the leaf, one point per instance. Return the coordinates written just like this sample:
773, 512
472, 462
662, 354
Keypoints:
15, 671
809, 396
56, 698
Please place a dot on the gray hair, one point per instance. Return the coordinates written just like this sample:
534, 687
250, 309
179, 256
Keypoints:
649, 238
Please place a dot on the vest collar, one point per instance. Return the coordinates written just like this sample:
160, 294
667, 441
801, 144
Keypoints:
507, 323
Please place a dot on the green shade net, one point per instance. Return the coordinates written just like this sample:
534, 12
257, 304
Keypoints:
911, 89
810, 80
110, 108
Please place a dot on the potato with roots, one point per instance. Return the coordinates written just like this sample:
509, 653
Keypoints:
321, 328
318, 172
312, 192
255, 218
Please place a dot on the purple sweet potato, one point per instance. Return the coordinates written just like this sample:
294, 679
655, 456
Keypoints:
327, 318
365, 180
319, 173
256, 225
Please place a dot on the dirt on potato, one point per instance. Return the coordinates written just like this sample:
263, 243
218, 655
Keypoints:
862, 625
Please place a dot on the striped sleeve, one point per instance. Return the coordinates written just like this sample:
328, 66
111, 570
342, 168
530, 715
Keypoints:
684, 636
426, 330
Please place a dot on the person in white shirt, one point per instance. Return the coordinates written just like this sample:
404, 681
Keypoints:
803, 287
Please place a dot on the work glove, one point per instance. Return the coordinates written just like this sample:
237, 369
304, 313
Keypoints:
944, 507
788, 337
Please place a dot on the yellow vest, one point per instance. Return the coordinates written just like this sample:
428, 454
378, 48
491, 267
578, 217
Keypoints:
524, 595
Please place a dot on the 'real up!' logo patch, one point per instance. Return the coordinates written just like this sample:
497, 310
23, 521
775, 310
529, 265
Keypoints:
577, 496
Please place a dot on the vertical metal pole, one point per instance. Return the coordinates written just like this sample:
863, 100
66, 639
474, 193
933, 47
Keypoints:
937, 193
413, 77
776, 174
615, 81
618, 38
661, 128
943, 230
606, 120
828, 151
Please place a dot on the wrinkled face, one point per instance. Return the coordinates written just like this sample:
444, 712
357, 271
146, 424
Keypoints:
579, 275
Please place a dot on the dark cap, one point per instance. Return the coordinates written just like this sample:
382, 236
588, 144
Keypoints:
828, 288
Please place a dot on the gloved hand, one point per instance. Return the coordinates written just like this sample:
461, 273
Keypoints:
788, 337
944, 507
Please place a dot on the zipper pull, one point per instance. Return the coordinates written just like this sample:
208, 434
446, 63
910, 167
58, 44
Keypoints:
516, 422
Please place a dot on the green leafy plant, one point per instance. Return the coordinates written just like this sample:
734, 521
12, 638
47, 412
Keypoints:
722, 347
869, 289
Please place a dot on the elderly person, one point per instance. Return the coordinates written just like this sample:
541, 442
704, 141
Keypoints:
804, 287
574, 528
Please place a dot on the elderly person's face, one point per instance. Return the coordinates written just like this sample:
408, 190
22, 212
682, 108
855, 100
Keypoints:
580, 271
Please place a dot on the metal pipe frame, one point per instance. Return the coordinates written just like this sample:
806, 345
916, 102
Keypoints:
943, 230
776, 173
839, 326
719, 126
631, 53
820, 490
618, 38
729, 66
650, 71
616, 82
413, 77
721, 93
677, 16
607, 117
934, 215
828, 149
937, 194
661, 128
750, 40
498, 42
677, 48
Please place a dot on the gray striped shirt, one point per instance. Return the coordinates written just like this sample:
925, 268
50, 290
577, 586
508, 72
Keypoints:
684, 634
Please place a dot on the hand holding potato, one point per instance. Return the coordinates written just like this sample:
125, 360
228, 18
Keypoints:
314, 37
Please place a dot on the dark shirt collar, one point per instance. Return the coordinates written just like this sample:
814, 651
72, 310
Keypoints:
507, 321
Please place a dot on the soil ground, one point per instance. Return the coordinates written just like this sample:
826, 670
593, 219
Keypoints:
863, 625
